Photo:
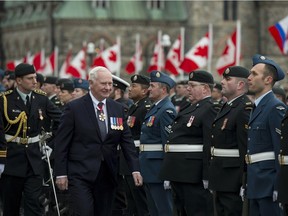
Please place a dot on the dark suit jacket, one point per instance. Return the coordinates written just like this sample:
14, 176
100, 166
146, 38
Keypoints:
229, 131
21, 158
264, 136
188, 167
78, 145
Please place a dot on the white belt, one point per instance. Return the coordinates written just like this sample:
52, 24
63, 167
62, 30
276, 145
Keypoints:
283, 159
183, 148
137, 143
22, 140
151, 147
259, 157
224, 152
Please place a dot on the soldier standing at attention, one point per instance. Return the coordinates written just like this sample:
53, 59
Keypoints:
154, 133
264, 138
184, 162
229, 142
138, 92
23, 111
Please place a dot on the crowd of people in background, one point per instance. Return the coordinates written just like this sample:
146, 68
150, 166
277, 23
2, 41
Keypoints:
150, 146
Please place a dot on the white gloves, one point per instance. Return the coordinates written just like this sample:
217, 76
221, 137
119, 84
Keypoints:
242, 193
275, 196
205, 184
2, 166
44, 150
167, 185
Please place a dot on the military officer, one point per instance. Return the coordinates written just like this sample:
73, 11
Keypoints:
180, 100
23, 111
283, 160
229, 142
264, 137
81, 87
49, 86
183, 163
154, 133
138, 92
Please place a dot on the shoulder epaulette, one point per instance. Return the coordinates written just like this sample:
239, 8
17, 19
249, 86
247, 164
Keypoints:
248, 105
217, 105
38, 91
6, 92
280, 107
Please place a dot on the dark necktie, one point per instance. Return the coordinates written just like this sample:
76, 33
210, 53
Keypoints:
28, 104
101, 120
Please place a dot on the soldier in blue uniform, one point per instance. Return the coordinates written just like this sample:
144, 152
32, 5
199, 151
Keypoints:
154, 133
22, 114
264, 137
229, 142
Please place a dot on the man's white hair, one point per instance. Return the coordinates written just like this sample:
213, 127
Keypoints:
93, 73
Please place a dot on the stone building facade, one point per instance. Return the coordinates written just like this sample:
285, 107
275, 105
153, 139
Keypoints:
32, 25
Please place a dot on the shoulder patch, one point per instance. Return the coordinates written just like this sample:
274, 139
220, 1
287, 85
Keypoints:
38, 91
280, 107
170, 111
6, 92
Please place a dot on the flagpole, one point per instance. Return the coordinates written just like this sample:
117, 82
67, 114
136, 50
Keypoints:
182, 41
56, 50
137, 57
118, 72
238, 41
210, 47
159, 50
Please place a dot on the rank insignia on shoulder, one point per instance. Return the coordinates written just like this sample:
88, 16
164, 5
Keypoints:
278, 131
280, 108
168, 129
38, 91
169, 111
246, 126
7, 92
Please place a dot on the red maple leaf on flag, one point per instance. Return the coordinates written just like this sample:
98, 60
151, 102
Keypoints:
202, 51
113, 56
177, 53
83, 64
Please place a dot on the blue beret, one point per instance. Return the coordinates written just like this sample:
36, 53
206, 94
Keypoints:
157, 76
23, 69
81, 83
201, 76
262, 59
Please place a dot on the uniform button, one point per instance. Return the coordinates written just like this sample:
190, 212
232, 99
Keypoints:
29, 128
282, 124
213, 125
167, 141
175, 122
281, 151
248, 139
249, 127
141, 132
212, 136
281, 137
26, 146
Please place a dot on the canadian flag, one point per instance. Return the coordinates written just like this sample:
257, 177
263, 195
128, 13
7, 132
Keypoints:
157, 60
63, 70
173, 59
50, 65
109, 58
77, 67
10, 65
135, 64
197, 56
38, 60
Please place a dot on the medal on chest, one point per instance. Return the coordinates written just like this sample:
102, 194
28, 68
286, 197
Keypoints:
150, 121
224, 124
189, 124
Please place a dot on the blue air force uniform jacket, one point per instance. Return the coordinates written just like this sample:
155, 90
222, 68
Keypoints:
155, 130
264, 136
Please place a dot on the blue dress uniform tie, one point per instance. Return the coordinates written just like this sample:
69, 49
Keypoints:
101, 120
28, 104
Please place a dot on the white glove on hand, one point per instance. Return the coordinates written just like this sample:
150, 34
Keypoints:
242, 193
44, 150
275, 196
2, 166
167, 185
205, 184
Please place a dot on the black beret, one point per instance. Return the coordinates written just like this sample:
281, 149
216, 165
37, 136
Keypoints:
10, 74
51, 80
218, 86
62, 80
69, 86
23, 69
279, 91
157, 76
182, 82
201, 76
262, 59
40, 78
140, 79
119, 83
236, 71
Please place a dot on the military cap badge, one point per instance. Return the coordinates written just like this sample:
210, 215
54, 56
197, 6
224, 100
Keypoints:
135, 78
227, 71
191, 75
158, 74
262, 57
